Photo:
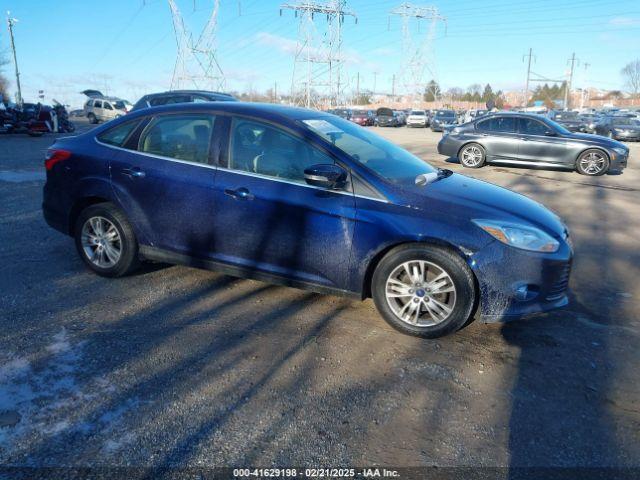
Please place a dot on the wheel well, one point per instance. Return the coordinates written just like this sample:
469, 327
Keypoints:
79, 206
592, 148
371, 268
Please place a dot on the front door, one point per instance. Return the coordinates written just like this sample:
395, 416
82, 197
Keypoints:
536, 145
166, 185
269, 220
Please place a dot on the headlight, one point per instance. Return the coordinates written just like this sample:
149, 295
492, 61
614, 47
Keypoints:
620, 151
519, 236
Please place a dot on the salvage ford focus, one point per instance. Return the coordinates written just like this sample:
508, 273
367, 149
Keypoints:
305, 199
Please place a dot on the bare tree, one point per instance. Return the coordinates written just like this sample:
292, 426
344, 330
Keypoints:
631, 73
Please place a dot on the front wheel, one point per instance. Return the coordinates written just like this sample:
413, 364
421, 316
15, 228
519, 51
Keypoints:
472, 156
424, 291
593, 163
105, 241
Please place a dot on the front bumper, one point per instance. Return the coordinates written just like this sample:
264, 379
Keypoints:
535, 282
416, 123
626, 136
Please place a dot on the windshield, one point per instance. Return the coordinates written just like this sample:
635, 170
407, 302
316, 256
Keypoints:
625, 121
556, 126
120, 105
445, 113
374, 152
566, 116
418, 112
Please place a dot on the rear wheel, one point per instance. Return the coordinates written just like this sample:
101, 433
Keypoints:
105, 241
593, 163
424, 291
92, 118
472, 156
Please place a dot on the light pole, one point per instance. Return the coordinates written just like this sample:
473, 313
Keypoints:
11, 22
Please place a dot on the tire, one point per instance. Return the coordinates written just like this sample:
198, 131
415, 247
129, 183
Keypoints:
472, 155
108, 216
92, 118
593, 163
461, 301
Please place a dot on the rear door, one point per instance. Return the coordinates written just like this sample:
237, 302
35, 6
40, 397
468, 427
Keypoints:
268, 219
536, 146
164, 181
97, 109
499, 136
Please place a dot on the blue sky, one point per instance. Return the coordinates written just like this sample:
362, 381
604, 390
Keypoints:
127, 47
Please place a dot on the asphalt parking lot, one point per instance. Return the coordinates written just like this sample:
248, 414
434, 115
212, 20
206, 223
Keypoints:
181, 367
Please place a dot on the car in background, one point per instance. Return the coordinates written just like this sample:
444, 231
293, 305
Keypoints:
471, 115
619, 128
402, 117
104, 109
568, 119
385, 117
532, 140
417, 118
182, 96
263, 191
589, 122
364, 118
442, 119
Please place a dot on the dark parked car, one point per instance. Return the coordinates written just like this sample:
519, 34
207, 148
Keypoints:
589, 122
619, 128
181, 96
385, 117
305, 199
364, 118
569, 120
534, 140
442, 119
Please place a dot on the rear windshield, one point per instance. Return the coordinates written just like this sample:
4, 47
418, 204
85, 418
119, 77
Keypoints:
445, 113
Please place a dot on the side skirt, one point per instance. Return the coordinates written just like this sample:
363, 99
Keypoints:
166, 256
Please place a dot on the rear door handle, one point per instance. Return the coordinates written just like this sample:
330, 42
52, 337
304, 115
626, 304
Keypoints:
134, 172
241, 193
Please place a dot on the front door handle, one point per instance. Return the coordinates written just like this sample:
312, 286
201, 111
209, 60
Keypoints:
134, 172
241, 193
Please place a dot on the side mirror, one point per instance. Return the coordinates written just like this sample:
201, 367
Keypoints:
326, 175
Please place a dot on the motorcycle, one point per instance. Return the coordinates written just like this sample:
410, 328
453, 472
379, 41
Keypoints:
64, 124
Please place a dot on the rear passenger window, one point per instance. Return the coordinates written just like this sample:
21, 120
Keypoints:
107, 106
118, 135
183, 137
97, 104
498, 125
265, 150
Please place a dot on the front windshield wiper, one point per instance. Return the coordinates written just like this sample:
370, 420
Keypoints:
427, 178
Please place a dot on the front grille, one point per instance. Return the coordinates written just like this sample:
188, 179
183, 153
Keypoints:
559, 287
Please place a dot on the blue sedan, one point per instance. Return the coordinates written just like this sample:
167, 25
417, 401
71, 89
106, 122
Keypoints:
306, 199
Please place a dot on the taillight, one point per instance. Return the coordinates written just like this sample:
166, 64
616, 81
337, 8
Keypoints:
54, 156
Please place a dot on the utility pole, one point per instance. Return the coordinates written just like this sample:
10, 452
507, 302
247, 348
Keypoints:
393, 85
567, 90
275, 92
11, 22
358, 87
526, 86
318, 63
375, 78
584, 86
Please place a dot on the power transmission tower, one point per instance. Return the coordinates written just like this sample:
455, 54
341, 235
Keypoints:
526, 87
417, 47
196, 63
11, 22
318, 63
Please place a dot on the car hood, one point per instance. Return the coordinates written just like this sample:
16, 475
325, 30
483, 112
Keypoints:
595, 140
468, 198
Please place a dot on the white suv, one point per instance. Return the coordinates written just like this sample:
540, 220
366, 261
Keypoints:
417, 118
105, 109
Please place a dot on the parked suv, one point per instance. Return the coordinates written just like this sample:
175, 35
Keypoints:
182, 96
104, 109
417, 118
306, 199
525, 139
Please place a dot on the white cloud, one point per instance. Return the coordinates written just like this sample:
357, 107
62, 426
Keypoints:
624, 21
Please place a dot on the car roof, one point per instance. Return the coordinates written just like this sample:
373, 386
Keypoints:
264, 110
189, 92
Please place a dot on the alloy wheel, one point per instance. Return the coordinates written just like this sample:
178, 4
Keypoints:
420, 293
593, 163
471, 156
101, 242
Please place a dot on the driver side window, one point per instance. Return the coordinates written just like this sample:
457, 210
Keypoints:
265, 150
